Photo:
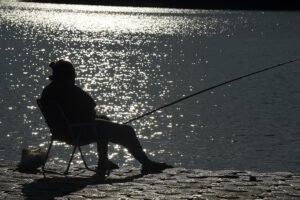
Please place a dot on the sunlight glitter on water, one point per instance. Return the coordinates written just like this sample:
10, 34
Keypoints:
132, 60
116, 20
103, 43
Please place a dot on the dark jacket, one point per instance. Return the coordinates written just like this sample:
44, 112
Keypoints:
77, 105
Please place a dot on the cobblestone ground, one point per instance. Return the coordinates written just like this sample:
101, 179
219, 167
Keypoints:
128, 183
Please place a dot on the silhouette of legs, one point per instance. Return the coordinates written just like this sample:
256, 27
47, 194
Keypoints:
123, 135
119, 134
107, 131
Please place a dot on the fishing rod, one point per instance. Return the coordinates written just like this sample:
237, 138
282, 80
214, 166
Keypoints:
211, 88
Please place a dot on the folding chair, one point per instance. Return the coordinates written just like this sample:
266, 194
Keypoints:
74, 139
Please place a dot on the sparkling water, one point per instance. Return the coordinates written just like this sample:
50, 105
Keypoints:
133, 60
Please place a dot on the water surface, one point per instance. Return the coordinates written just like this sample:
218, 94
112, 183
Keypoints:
132, 60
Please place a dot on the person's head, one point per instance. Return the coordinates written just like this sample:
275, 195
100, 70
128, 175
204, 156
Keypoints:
62, 71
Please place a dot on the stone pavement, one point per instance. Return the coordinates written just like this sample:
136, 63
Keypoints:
128, 183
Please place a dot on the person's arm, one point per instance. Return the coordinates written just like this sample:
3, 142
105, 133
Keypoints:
86, 105
50, 111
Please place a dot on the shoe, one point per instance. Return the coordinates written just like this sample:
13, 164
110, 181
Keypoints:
100, 174
102, 170
154, 167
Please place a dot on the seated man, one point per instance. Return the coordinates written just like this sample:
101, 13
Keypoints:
78, 106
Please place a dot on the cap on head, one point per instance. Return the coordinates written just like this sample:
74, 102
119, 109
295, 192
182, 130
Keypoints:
62, 70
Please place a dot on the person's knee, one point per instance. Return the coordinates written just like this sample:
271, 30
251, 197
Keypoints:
130, 128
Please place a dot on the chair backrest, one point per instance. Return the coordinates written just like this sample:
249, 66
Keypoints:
56, 118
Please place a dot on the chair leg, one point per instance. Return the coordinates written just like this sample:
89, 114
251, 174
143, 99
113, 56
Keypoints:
46, 158
74, 149
84, 162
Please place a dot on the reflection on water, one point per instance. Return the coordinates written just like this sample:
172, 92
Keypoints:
114, 20
132, 60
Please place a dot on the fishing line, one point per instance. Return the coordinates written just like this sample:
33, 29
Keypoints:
211, 88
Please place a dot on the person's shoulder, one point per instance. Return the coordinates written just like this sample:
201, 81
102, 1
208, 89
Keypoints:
77, 88
78, 91
84, 95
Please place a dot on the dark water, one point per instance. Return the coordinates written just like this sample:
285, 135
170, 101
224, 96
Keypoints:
132, 60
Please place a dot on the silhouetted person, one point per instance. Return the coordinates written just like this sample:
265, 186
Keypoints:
78, 106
